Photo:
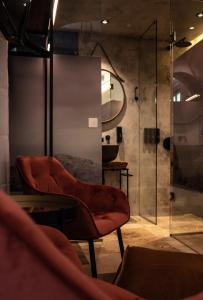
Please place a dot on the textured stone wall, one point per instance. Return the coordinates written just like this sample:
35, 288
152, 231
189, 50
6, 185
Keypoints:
124, 55
4, 115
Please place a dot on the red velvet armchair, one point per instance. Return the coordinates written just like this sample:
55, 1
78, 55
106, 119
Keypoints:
38, 262
103, 209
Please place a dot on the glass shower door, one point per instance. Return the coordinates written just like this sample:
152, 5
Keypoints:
187, 126
148, 123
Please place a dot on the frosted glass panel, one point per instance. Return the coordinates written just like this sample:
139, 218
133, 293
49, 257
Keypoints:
26, 109
77, 98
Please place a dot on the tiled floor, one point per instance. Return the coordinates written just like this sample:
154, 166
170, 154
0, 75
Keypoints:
186, 223
137, 232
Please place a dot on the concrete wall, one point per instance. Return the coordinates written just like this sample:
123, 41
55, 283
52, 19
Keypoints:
4, 115
123, 53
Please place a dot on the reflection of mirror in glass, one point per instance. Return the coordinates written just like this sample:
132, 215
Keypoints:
112, 96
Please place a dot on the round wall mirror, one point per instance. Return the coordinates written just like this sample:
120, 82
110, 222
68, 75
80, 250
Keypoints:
113, 96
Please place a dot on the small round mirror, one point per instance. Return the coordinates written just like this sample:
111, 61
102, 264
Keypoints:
113, 96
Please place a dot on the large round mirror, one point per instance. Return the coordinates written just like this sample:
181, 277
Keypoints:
113, 96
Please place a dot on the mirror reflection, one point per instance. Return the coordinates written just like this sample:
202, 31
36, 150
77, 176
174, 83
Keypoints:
113, 96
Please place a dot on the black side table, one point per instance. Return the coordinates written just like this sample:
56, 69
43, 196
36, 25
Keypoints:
117, 167
50, 210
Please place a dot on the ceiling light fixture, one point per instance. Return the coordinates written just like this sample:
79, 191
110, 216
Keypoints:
105, 21
55, 10
199, 15
191, 27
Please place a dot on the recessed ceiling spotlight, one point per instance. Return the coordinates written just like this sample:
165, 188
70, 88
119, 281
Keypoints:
191, 27
199, 14
104, 21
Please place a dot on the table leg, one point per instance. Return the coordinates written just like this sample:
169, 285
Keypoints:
127, 183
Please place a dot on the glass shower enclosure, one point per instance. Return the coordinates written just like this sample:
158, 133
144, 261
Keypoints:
187, 124
148, 131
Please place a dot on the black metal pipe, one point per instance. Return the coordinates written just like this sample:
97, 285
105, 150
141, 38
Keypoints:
24, 22
45, 107
9, 18
51, 82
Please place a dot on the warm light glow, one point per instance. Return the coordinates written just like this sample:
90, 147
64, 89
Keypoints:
195, 41
193, 97
48, 47
191, 27
199, 15
177, 97
55, 10
105, 21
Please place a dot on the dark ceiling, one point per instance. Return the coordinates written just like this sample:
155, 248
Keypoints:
17, 16
131, 17
128, 18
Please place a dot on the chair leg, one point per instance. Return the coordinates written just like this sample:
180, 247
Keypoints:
92, 258
120, 240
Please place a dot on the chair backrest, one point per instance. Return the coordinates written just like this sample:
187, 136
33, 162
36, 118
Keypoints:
45, 174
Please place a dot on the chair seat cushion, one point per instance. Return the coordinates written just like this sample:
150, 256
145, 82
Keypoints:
155, 274
108, 222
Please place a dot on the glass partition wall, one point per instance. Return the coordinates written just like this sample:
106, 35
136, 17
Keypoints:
187, 124
149, 134
27, 111
76, 105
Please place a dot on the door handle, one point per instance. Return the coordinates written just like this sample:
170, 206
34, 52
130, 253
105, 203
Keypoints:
172, 197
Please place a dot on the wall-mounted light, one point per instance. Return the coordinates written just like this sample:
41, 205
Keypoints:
104, 21
199, 15
196, 96
55, 10
191, 27
177, 97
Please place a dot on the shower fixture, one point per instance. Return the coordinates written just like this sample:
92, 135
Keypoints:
183, 43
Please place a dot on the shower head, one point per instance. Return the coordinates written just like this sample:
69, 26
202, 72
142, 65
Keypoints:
183, 43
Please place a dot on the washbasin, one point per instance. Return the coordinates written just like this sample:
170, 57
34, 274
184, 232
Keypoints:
109, 152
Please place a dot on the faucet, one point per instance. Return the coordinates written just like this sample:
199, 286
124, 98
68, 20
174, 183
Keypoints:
107, 137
